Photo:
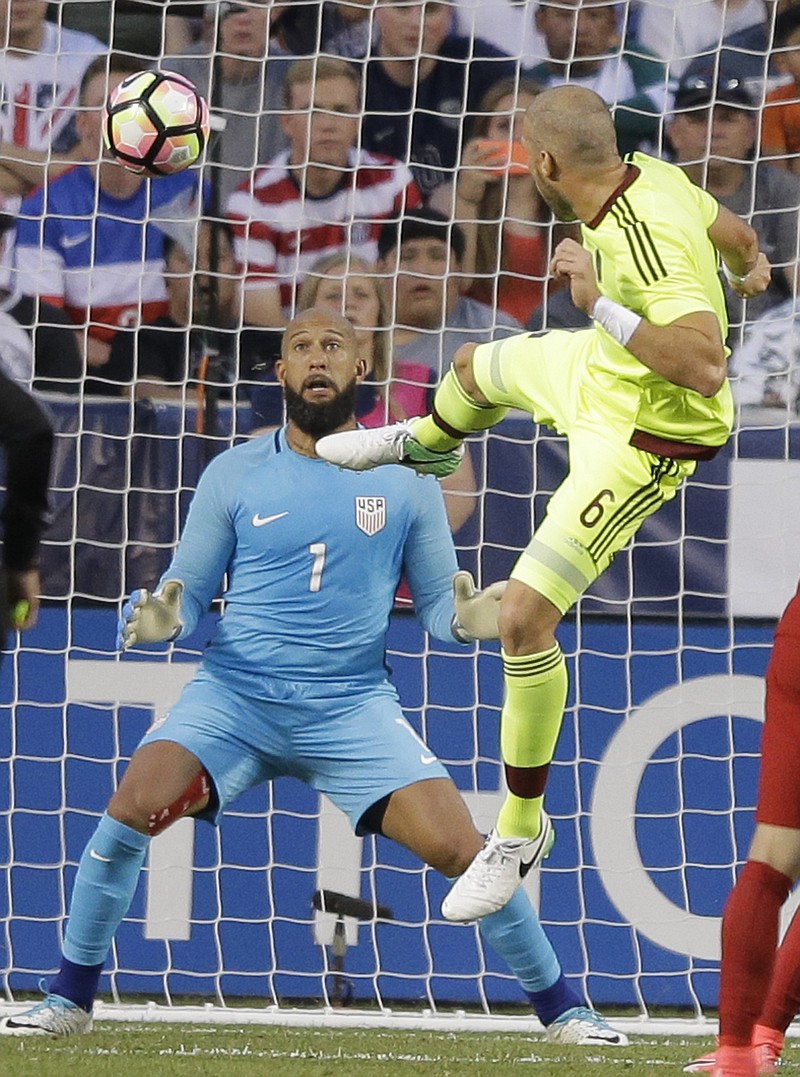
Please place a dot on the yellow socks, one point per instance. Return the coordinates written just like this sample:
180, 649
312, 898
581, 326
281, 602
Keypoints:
455, 414
536, 694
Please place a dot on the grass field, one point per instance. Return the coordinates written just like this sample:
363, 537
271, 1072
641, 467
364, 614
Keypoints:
161, 1050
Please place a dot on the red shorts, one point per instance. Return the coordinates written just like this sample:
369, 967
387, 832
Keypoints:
779, 784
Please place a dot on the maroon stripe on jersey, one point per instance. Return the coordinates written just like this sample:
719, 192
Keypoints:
632, 173
673, 450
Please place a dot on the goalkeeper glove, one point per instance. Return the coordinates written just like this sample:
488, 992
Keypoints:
476, 611
151, 618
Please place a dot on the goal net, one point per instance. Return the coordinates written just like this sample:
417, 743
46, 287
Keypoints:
281, 913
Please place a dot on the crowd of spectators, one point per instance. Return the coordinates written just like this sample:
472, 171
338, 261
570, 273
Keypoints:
364, 154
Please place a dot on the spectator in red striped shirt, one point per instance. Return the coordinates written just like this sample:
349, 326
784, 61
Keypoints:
321, 195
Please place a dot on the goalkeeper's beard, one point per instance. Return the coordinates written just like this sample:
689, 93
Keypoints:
320, 419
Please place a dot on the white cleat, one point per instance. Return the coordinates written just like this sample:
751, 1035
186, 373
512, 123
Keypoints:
53, 1016
493, 876
584, 1028
360, 450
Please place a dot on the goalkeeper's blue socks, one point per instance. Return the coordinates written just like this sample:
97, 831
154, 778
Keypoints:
106, 882
78, 983
554, 1000
516, 934
104, 888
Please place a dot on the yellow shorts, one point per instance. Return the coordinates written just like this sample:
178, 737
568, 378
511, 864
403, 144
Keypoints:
611, 487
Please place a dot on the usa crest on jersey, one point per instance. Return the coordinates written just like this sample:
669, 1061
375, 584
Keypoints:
370, 514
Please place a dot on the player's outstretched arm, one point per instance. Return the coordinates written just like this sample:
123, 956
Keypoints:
746, 267
689, 352
476, 611
151, 618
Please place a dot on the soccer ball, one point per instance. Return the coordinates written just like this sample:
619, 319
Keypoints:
155, 123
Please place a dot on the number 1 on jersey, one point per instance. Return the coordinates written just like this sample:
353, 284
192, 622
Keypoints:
318, 551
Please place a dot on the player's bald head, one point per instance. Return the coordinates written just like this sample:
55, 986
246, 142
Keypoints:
574, 126
316, 320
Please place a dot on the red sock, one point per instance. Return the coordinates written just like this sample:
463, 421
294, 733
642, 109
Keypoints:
783, 1000
749, 941
779, 800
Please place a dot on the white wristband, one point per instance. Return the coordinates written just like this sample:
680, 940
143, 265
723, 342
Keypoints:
731, 277
617, 320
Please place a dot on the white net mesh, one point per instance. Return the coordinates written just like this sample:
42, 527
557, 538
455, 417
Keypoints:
654, 782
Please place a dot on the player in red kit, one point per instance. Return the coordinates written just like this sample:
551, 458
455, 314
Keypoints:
760, 983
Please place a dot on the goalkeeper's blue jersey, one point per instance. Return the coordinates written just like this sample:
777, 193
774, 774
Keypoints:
313, 557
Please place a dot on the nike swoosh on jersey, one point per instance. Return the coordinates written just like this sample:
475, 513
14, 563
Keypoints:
74, 241
260, 521
427, 759
96, 856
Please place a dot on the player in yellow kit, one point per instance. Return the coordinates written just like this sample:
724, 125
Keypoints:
642, 397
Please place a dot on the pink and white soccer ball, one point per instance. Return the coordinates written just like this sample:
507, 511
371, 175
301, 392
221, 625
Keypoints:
156, 123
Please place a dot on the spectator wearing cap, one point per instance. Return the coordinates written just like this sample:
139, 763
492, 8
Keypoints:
322, 195
713, 134
780, 131
422, 257
583, 45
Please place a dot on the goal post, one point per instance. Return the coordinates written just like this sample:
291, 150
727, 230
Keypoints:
651, 794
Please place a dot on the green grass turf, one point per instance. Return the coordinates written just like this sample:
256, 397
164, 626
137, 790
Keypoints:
161, 1050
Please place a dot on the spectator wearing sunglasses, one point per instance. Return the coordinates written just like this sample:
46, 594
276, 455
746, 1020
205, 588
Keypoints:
713, 133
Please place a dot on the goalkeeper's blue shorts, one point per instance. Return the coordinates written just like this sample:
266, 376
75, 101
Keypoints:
355, 746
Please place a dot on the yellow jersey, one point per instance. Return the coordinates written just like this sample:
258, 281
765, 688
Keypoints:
652, 254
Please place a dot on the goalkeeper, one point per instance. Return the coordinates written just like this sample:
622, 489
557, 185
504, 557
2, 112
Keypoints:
642, 396
294, 680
